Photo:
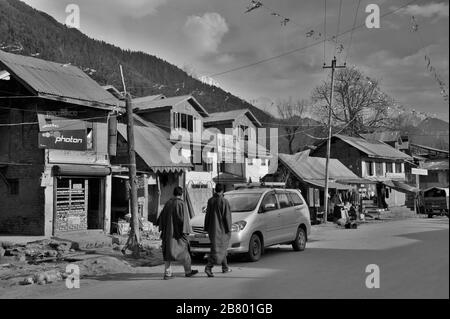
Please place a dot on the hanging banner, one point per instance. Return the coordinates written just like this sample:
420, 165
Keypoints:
51, 122
64, 140
112, 135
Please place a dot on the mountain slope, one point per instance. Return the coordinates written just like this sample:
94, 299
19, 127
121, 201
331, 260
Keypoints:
38, 33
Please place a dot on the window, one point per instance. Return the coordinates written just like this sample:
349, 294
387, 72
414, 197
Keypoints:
398, 167
195, 124
222, 167
389, 168
13, 186
250, 161
243, 202
184, 121
369, 166
208, 165
296, 200
378, 169
176, 122
263, 162
269, 199
190, 123
284, 201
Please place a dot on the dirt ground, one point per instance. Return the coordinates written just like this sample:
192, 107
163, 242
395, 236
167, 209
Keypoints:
44, 262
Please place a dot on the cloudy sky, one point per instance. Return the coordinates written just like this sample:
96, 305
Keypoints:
210, 37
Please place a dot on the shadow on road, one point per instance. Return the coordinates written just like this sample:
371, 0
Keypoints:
159, 276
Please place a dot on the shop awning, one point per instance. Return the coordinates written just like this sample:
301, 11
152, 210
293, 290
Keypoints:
81, 170
405, 188
153, 147
312, 170
356, 181
151, 180
388, 183
331, 185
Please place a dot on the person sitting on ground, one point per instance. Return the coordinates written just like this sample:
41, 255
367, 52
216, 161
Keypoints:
344, 219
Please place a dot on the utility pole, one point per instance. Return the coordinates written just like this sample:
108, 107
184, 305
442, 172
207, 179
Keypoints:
333, 66
133, 242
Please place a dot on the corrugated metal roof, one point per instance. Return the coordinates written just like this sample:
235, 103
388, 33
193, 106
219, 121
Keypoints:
55, 81
231, 116
152, 146
430, 148
374, 148
384, 136
436, 165
312, 169
143, 103
149, 98
332, 185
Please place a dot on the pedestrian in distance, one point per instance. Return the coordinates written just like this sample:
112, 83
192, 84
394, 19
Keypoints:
174, 226
218, 227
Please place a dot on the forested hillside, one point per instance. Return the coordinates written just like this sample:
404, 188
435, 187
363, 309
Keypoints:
24, 30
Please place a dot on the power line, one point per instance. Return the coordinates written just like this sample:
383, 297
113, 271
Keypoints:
338, 26
304, 47
324, 31
351, 34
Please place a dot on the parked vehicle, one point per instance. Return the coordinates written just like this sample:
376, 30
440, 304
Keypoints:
261, 217
436, 201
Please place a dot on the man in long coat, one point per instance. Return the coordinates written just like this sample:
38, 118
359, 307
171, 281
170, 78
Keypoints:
218, 226
174, 225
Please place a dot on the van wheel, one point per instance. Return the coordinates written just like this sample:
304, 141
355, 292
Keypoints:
299, 244
254, 248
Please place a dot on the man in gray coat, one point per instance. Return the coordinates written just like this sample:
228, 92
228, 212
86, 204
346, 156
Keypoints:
218, 226
174, 225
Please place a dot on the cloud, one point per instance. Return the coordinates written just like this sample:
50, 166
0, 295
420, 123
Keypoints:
206, 32
135, 8
427, 11
225, 58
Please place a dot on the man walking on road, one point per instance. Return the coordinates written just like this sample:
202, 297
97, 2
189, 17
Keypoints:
218, 226
174, 225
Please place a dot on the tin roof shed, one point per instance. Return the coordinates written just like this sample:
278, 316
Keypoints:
56, 81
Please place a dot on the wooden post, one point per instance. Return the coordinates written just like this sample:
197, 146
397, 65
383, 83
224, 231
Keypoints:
333, 66
134, 236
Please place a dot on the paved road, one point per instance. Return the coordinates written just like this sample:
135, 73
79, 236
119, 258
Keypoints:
412, 255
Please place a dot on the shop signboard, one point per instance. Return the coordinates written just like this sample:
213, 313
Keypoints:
419, 171
63, 140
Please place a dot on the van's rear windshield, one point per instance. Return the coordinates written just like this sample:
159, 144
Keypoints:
243, 202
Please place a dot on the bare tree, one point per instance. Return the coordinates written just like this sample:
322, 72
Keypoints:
292, 115
359, 105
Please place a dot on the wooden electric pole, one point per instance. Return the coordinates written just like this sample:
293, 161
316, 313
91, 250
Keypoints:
134, 239
333, 66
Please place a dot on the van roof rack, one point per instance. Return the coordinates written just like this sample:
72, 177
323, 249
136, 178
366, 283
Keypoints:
260, 185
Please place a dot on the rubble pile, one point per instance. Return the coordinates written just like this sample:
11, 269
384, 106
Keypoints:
37, 251
44, 261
